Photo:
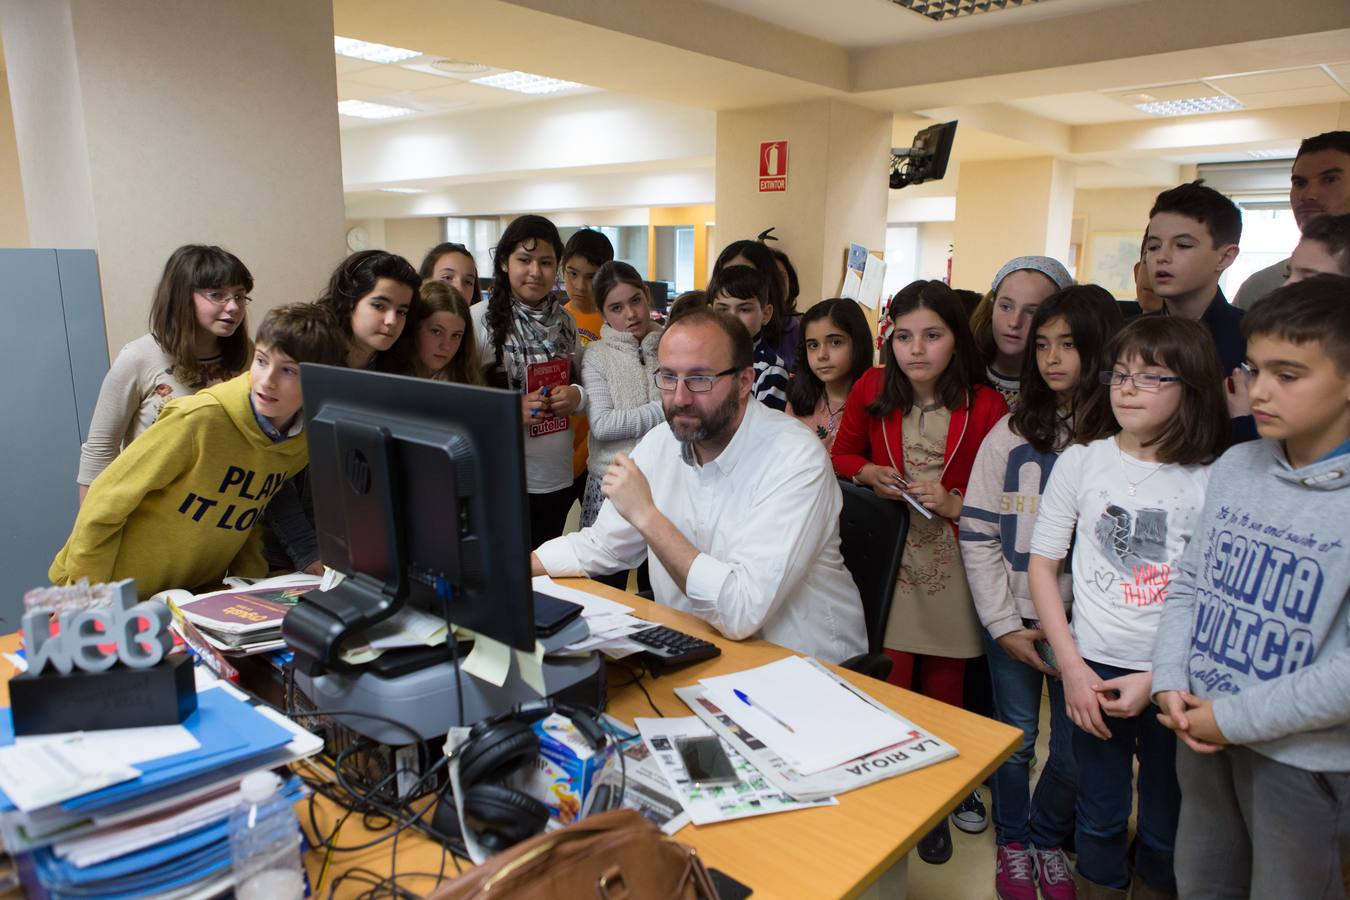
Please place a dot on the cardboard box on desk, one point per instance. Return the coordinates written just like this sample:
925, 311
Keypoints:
562, 774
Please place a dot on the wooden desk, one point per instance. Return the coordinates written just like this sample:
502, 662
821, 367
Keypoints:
836, 851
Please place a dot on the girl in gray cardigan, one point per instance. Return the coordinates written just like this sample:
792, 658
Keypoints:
624, 403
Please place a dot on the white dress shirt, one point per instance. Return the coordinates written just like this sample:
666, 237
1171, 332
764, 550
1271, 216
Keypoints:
764, 516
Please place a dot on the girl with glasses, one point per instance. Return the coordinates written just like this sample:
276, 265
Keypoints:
1062, 402
198, 337
1127, 505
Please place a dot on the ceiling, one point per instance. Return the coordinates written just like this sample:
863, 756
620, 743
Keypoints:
991, 71
1269, 89
419, 85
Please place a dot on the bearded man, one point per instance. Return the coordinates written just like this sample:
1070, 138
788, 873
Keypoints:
734, 505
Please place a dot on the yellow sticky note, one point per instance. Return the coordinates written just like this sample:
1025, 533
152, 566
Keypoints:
489, 660
531, 667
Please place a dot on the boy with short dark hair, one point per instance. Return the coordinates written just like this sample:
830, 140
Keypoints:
1193, 234
1324, 249
1252, 662
178, 508
741, 291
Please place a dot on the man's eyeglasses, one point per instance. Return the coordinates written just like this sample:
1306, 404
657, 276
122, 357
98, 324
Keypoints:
698, 384
220, 298
1143, 381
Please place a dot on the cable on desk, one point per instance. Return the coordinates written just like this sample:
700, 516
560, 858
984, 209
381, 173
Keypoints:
328, 854
636, 679
444, 592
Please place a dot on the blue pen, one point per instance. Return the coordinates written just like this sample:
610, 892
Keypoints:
741, 696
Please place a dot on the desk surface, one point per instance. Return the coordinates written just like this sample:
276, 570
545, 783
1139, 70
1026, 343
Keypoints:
829, 852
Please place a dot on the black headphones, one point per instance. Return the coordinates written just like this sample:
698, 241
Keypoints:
497, 815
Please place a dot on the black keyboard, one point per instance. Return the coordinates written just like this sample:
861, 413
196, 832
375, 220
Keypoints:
667, 648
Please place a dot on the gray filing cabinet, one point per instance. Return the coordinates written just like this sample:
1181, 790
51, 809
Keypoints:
55, 352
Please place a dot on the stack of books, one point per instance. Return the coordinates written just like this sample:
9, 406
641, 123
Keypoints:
241, 620
144, 811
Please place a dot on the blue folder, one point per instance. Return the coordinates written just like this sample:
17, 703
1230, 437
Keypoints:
174, 863
227, 728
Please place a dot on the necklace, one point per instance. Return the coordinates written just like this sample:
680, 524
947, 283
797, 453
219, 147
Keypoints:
1133, 485
831, 418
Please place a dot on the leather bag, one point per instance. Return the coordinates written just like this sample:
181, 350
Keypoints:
614, 855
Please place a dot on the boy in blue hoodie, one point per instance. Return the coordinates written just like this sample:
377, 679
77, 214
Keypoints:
1252, 663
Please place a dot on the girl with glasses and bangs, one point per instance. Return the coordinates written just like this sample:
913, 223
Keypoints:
1127, 505
198, 337
1063, 402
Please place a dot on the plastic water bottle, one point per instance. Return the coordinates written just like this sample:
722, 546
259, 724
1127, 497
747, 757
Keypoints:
265, 842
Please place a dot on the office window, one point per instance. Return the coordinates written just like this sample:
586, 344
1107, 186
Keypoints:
480, 235
1269, 234
902, 257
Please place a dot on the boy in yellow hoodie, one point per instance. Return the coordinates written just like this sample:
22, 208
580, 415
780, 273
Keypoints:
178, 508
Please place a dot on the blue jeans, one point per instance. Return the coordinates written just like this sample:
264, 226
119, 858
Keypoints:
1043, 819
1104, 798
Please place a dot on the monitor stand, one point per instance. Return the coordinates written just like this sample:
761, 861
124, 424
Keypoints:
426, 698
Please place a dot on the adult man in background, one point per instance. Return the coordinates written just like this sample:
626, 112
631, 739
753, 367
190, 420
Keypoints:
1319, 185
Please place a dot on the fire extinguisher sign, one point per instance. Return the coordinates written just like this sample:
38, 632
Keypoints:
773, 157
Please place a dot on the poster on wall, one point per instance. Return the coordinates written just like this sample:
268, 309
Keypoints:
773, 166
1110, 262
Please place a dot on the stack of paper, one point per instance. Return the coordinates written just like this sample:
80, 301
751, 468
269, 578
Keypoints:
139, 811
809, 731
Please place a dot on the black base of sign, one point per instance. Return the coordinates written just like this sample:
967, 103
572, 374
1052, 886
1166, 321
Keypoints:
121, 697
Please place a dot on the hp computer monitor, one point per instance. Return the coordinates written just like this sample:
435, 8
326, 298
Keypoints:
419, 498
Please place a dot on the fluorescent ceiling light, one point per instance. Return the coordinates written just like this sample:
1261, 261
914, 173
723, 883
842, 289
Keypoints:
938, 10
1190, 106
377, 53
362, 109
403, 190
525, 83
1280, 153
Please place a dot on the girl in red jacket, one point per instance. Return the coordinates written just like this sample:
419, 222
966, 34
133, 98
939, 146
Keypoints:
910, 431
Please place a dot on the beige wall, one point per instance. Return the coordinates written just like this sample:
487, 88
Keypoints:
1008, 208
1124, 209
412, 238
185, 140
13, 218
836, 188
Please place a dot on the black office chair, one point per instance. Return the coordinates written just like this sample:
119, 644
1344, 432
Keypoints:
872, 537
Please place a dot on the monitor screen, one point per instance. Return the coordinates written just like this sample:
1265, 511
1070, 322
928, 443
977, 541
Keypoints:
419, 498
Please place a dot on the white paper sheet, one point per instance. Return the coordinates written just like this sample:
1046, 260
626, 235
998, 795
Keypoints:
590, 604
809, 719
127, 746
873, 281
40, 773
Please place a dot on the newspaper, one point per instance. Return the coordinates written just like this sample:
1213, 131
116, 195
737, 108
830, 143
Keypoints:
642, 786
921, 749
752, 795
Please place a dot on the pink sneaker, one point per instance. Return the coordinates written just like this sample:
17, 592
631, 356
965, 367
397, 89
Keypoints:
1052, 870
1013, 873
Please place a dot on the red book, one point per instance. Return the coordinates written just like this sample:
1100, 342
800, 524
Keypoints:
551, 374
